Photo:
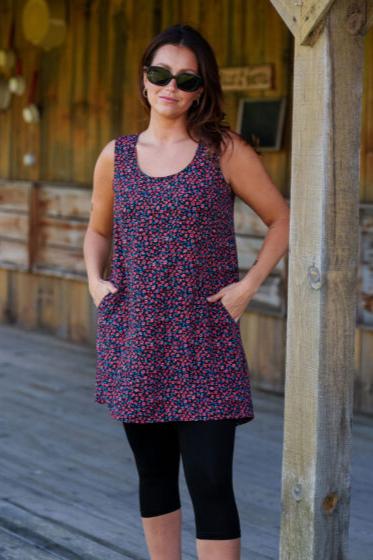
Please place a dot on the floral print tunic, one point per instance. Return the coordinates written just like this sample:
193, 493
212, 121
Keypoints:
164, 352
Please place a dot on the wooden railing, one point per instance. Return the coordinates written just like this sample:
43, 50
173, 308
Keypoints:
42, 227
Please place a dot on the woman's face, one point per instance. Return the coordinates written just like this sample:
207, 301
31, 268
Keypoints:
168, 100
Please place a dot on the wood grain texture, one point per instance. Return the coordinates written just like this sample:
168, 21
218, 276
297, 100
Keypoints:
15, 224
366, 151
303, 16
324, 230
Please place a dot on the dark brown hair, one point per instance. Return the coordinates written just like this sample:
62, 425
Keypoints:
205, 122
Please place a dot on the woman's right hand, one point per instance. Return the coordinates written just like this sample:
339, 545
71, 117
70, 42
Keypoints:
100, 288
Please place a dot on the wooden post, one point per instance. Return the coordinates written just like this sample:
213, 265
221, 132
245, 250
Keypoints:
323, 260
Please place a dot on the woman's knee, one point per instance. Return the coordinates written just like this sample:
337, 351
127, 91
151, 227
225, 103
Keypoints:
209, 484
157, 466
214, 504
158, 493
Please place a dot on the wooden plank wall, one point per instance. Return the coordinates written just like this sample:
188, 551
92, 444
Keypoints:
42, 228
87, 91
15, 224
87, 88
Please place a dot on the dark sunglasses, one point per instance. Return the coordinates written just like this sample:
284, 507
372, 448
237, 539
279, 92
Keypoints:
161, 76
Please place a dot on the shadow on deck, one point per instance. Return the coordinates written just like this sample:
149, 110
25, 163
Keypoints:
68, 480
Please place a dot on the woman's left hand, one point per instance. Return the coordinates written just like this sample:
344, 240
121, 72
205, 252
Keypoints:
234, 297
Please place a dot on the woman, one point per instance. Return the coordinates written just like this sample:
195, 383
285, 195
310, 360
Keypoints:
170, 361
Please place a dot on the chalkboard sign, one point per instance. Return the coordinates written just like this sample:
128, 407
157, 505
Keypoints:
261, 122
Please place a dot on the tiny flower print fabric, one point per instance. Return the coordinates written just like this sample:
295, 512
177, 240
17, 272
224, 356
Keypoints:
165, 353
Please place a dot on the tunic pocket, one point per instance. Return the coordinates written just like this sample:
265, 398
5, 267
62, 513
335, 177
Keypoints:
105, 299
226, 313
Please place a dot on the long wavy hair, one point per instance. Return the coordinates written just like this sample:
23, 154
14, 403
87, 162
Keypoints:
205, 122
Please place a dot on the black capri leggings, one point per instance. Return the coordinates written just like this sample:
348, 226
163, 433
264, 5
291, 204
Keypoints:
206, 448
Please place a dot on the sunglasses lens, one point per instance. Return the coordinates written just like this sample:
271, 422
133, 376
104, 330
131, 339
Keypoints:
188, 82
158, 75
161, 77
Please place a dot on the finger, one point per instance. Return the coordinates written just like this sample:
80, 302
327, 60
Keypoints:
213, 297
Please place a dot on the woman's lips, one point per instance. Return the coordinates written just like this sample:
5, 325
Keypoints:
168, 99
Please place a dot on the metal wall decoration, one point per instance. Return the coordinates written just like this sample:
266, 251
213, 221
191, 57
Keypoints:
44, 23
31, 111
17, 82
8, 59
261, 122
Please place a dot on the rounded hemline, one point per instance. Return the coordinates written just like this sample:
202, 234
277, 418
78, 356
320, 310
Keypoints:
240, 420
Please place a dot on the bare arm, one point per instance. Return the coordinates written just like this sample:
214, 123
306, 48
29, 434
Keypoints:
250, 181
98, 237
243, 170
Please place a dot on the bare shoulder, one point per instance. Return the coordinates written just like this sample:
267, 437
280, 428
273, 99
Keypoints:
102, 192
106, 156
251, 182
109, 147
234, 150
104, 166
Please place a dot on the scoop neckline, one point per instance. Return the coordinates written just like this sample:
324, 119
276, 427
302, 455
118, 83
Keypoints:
162, 177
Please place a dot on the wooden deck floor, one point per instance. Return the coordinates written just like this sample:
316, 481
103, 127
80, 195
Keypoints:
68, 481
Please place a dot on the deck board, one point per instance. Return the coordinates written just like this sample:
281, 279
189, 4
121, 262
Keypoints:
68, 484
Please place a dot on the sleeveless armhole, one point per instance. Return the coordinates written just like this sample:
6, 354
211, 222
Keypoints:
219, 170
117, 160
215, 161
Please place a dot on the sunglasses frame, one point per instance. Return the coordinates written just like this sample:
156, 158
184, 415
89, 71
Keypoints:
199, 78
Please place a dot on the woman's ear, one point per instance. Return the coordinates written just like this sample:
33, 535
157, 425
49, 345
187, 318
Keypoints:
144, 77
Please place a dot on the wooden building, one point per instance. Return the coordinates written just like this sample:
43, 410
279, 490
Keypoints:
85, 90
304, 70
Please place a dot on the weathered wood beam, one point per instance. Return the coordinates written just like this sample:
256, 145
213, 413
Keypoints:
312, 17
323, 260
289, 12
305, 18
